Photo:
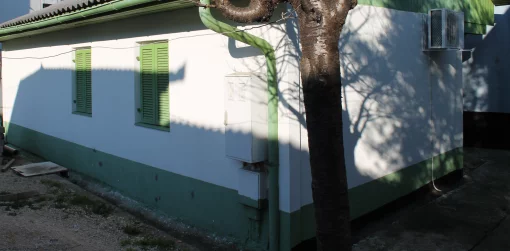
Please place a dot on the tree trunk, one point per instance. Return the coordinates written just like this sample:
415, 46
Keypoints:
320, 73
320, 25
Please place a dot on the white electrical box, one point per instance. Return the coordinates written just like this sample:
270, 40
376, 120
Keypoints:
245, 117
252, 184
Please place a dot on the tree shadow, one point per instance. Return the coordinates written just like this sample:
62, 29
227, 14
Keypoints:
401, 107
486, 85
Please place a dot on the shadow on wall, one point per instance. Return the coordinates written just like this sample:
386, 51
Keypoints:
486, 86
401, 105
387, 94
194, 202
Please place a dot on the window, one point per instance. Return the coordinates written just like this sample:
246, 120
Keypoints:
83, 82
153, 87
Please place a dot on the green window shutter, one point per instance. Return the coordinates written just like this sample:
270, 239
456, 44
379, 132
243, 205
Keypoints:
83, 81
88, 80
154, 95
162, 80
147, 85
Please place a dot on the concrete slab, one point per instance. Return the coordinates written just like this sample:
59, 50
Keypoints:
37, 169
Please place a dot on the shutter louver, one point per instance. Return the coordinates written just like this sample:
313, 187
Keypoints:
88, 81
162, 80
147, 89
83, 81
154, 95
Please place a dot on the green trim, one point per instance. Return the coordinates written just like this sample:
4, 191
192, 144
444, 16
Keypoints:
83, 114
402, 182
154, 84
273, 160
110, 11
480, 12
375, 194
155, 127
83, 81
259, 204
213, 207
194, 202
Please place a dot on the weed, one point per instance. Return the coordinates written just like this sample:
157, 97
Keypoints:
87, 204
124, 243
81, 200
4, 193
34, 207
59, 205
52, 183
17, 204
102, 209
155, 242
40, 199
132, 230
62, 198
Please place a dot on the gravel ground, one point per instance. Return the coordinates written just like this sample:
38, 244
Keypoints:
56, 214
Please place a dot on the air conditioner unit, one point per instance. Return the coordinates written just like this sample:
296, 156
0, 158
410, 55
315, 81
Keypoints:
445, 30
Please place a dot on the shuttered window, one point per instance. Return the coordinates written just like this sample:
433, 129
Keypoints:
154, 95
83, 81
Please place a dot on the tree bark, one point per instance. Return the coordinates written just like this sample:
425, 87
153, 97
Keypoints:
320, 24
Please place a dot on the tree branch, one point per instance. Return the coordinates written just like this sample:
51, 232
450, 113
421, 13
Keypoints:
256, 11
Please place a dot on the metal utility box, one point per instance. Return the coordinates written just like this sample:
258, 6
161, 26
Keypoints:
445, 30
246, 117
252, 185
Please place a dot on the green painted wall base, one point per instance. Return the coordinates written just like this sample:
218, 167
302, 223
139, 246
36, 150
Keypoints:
194, 202
375, 194
215, 208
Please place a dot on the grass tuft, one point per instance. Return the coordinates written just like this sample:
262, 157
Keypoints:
147, 242
132, 230
52, 183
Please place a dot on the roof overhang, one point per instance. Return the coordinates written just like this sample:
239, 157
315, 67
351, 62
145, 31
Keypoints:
97, 14
501, 2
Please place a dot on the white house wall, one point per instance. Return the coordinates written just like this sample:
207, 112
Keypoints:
387, 81
486, 77
38, 92
485, 70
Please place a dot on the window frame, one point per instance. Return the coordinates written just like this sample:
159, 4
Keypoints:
75, 109
138, 84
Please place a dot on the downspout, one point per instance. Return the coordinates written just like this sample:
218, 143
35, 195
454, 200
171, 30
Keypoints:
272, 87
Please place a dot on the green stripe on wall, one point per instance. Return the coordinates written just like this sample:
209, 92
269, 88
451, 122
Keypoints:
480, 12
215, 208
194, 202
375, 194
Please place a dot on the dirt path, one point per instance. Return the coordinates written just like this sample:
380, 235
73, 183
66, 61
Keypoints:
55, 214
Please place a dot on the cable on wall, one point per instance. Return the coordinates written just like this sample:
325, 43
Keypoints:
284, 17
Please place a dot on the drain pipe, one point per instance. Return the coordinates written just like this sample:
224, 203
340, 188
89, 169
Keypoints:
272, 87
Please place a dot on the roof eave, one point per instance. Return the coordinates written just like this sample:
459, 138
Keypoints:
501, 2
77, 19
